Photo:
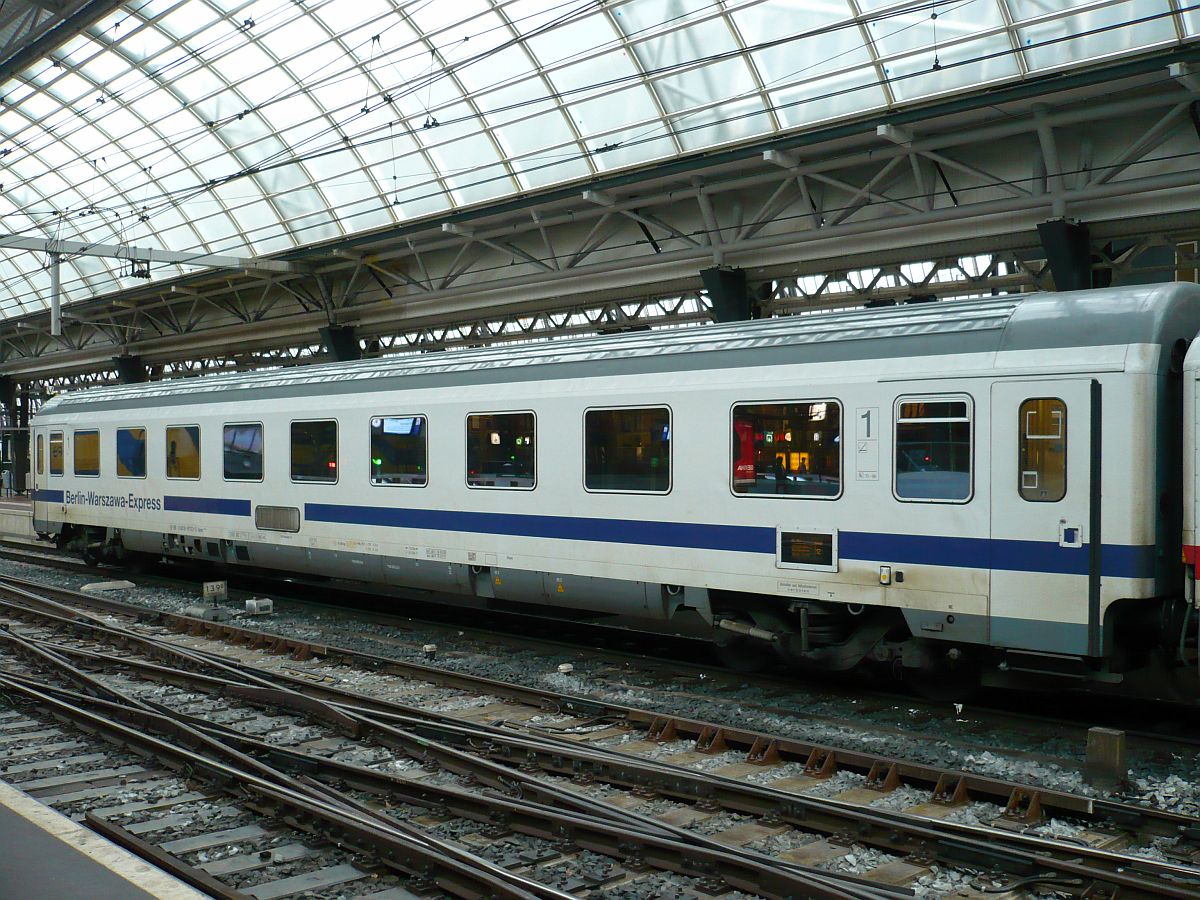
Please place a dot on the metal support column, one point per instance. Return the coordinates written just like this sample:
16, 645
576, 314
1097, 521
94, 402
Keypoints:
130, 369
341, 343
1068, 252
726, 289
55, 296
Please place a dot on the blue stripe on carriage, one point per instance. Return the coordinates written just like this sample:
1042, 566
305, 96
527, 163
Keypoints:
1117, 560
47, 496
744, 538
217, 506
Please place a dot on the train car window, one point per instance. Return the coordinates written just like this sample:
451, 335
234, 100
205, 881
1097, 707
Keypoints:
87, 453
41, 454
56, 453
788, 449
501, 451
627, 450
315, 452
183, 451
933, 449
131, 452
243, 452
1042, 473
399, 450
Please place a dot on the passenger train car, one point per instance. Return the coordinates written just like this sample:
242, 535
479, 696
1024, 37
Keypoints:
950, 490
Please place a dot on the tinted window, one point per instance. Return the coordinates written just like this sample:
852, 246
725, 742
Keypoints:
41, 454
314, 451
789, 449
183, 451
398, 450
933, 450
500, 450
243, 451
1043, 449
627, 450
56, 453
131, 452
87, 453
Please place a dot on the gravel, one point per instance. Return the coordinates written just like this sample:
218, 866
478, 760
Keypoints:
805, 713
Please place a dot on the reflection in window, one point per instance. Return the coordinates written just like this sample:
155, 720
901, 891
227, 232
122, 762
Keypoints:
87, 453
314, 452
41, 454
183, 451
243, 452
1043, 430
790, 449
500, 450
398, 450
627, 450
56, 453
933, 450
131, 452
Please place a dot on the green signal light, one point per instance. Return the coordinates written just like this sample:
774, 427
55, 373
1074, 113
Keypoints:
376, 461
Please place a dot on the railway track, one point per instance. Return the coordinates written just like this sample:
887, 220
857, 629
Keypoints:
676, 675
449, 744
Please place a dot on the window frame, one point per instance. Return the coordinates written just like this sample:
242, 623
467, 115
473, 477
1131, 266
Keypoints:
62, 468
670, 455
40, 450
467, 450
841, 450
146, 452
262, 453
75, 450
970, 419
1066, 456
425, 416
337, 450
199, 452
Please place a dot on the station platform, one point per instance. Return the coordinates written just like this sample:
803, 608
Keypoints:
47, 856
16, 518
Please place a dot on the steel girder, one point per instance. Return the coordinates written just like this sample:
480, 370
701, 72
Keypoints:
946, 205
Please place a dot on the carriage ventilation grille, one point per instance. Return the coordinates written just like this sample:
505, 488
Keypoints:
277, 518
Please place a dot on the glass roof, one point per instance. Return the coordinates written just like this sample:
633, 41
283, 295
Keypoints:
243, 128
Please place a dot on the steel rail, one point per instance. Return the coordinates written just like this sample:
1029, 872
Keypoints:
567, 758
762, 870
930, 776
393, 849
187, 734
588, 832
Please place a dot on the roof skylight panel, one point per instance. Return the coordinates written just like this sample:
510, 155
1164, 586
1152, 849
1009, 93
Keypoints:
292, 37
102, 66
1052, 36
547, 167
186, 20
958, 65
828, 97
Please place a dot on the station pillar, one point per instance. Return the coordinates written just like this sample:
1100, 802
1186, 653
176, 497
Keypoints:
341, 343
726, 289
130, 369
15, 436
1068, 252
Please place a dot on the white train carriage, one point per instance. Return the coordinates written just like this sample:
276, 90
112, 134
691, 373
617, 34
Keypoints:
934, 484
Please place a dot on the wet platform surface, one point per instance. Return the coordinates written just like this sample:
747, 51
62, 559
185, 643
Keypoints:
49, 857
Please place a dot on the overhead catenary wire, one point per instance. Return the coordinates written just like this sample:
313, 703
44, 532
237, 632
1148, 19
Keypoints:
200, 189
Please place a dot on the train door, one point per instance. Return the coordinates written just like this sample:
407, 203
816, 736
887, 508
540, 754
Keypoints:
1045, 508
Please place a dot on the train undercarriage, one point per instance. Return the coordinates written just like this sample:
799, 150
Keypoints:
1150, 648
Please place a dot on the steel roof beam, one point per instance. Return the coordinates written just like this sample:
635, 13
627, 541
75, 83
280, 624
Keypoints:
146, 254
